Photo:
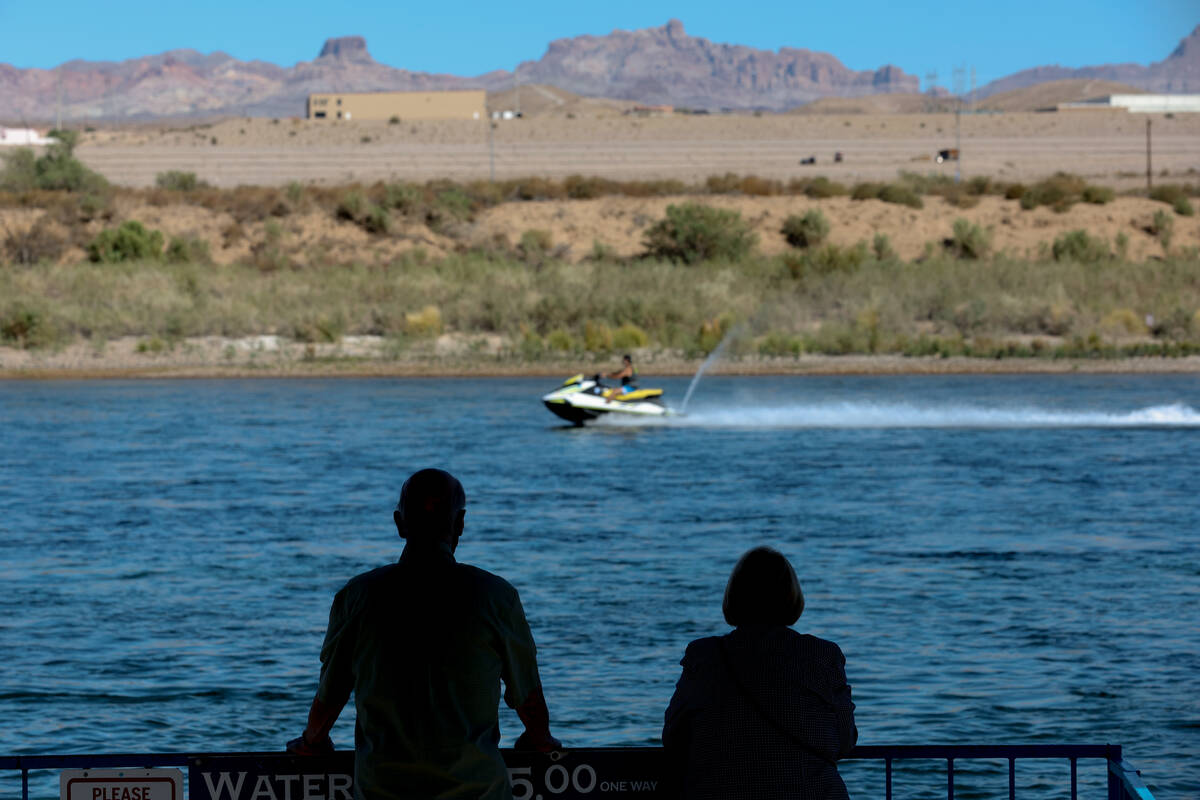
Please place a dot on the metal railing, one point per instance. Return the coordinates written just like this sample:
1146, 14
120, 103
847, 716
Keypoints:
1123, 780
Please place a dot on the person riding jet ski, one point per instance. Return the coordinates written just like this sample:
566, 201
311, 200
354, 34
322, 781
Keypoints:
628, 375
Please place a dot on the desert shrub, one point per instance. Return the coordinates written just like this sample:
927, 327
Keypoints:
1121, 242
1162, 227
692, 233
722, 184
979, 185
866, 191
1059, 192
832, 258
1123, 321
319, 328
535, 246
713, 330
806, 231
20, 171
425, 323
352, 207
629, 337
177, 181
901, 195
882, 247
188, 250
294, 193
602, 251
130, 241
1014, 191
968, 240
754, 186
597, 337
94, 205
817, 188
58, 169
775, 343
960, 196
658, 188
1080, 247
927, 183
560, 340
407, 198
371, 217
36, 245
376, 220
580, 187
450, 204
1175, 324
17, 324
28, 327
1098, 195
1175, 196
534, 188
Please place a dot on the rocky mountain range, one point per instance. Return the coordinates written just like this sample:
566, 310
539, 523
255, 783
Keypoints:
1178, 73
654, 65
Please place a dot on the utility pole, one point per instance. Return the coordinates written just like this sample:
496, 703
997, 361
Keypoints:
960, 74
517, 90
58, 105
491, 151
1149, 174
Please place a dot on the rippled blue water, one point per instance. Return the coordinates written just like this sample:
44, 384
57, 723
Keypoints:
1002, 559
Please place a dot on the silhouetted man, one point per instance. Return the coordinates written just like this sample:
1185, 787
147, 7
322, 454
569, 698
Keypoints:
424, 644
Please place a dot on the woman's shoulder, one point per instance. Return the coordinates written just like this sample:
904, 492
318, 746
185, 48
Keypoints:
701, 651
820, 648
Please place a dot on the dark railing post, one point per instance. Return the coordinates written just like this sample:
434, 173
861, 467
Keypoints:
949, 779
887, 771
1012, 779
1115, 790
24, 783
1074, 780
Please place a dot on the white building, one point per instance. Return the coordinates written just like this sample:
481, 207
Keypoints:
1143, 103
23, 137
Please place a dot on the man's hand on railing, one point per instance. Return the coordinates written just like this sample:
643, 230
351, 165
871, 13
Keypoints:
300, 746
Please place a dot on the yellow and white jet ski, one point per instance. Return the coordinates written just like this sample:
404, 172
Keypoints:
581, 399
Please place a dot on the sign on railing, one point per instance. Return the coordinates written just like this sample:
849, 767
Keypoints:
120, 784
608, 774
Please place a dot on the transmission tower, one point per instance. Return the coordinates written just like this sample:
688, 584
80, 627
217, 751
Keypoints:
930, 88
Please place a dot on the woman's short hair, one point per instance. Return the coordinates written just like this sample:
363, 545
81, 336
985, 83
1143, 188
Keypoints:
763, 589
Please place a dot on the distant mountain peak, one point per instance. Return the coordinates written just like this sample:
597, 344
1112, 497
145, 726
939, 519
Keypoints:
346, 48
674, 29
1189, 44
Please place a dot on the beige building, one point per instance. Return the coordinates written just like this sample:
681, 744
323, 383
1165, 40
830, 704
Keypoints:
461, 104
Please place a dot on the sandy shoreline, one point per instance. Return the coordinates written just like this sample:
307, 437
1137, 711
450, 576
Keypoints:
359, 357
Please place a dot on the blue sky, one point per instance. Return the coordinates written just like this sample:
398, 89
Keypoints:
467, 38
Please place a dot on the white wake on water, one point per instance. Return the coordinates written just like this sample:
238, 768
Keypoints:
902, 415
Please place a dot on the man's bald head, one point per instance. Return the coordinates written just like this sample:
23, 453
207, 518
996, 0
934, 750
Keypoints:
432, 507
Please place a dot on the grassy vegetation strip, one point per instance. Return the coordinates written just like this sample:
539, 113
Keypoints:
864, 304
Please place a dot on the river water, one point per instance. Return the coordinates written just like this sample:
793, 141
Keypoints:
1002, 559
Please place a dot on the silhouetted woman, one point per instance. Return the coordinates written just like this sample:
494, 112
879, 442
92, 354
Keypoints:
763, 711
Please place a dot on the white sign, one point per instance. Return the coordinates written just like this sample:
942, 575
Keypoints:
121, 784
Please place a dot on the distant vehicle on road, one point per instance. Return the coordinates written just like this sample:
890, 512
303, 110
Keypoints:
947, 155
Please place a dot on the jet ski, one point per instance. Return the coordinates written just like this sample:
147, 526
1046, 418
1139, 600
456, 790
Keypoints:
581, 399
